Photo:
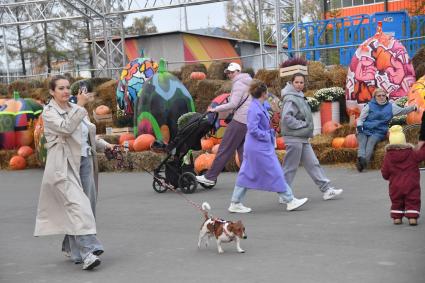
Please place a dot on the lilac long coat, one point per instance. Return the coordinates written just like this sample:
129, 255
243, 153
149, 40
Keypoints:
260, 168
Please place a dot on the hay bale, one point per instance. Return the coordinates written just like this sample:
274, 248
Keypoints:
378, 157
216, 70
337, 155
24, 87
412, 133
6, 155
318, 77
142, 161
186, 70
41, 94
272, 79
344, 130
106, 94
321, 142
113, 139
337, 76
206, 91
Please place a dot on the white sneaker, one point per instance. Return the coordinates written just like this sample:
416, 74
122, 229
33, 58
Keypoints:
238, 208
203, 180
295, 203
91, 261
332, 193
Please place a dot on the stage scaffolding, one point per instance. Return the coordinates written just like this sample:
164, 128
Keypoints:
106, 18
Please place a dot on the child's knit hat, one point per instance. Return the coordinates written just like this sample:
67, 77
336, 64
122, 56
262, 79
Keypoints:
396, 135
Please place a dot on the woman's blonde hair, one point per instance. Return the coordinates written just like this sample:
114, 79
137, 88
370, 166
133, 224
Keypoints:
378, 91
257, 88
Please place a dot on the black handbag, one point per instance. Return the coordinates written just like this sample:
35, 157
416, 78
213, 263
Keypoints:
229, 117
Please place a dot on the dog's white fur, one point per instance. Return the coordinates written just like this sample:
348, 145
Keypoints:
225, 237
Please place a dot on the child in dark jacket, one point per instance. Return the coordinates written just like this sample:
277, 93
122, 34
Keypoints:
401, 168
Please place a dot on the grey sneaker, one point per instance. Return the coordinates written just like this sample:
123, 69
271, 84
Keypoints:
203, 180
331, 193
295, 203
91, 261
238, 208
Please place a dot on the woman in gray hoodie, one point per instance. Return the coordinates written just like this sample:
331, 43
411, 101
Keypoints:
297, 128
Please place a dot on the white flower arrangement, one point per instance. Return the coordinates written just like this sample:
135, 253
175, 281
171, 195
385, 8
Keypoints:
329, 94
313, 103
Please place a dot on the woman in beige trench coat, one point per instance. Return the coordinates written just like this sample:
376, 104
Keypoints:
69, 186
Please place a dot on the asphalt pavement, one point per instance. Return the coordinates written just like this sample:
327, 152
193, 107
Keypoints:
151, 237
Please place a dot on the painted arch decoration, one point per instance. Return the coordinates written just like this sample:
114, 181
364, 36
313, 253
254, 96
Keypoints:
380, 62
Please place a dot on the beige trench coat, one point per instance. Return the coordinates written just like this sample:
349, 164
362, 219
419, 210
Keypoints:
63, 207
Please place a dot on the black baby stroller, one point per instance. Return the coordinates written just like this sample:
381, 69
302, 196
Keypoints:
177, 168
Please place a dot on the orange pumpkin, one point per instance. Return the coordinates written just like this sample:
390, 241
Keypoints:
330, 127
351, 141
203, 162
126, 137
165, 131
25, 151
102, 110
17, 163
280, 143
198, 76
143, 142
214, 149
207, 144
416, 96
338, 142
130, 144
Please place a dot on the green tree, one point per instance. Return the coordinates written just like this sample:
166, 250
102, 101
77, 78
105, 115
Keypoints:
142, 25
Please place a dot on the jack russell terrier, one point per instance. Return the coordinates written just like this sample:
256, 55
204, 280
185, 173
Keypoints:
224, 231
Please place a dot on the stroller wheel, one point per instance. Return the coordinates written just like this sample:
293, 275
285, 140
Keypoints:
188, 183
157, 186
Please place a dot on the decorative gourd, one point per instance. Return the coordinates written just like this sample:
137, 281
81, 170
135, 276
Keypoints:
25, 151
198, 76
126, 137
207, 144
351, 141
203, 162
330, 127
102, 110
17, 163
214, 149
280, 143
143, 142
338, 142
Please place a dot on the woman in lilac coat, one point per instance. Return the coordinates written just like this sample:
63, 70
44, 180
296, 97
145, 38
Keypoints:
260, 169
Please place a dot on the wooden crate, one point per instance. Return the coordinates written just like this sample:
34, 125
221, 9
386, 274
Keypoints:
291, 70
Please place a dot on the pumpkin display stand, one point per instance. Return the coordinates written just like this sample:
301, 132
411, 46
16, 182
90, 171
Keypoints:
6, 155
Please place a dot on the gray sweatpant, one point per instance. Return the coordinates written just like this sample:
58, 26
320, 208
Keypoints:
297, 153
233, 140
79, 246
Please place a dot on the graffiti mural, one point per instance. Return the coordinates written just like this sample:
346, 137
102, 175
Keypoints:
132, 78
380, 62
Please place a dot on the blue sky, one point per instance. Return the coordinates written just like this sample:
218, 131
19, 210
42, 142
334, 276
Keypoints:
198, 16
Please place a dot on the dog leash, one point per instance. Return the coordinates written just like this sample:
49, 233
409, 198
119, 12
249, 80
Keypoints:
171, 187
